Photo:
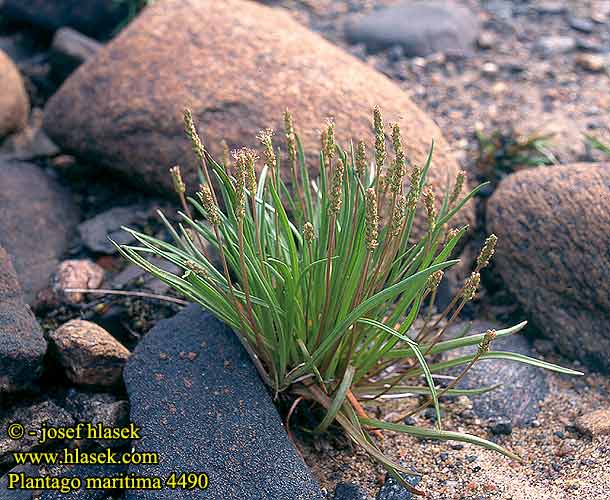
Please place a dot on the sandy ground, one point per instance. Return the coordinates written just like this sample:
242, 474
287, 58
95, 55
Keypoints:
560, 463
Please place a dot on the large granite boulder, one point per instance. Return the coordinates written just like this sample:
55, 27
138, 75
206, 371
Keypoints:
14, 102
553, 225
203, 408
22, 345
238, 65
37, 220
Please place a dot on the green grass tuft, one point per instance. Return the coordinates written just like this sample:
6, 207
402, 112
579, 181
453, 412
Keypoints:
325, 283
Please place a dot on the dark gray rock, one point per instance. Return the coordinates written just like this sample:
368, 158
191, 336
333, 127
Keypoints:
349, 491
97, 18
420, 28
135, 275
501, 426
92, 406
95, 232
202, 407
523, 386
37, 219
69, 50
97, 407
393, 490
31, 417
27, 145
16, 494
82, 472
22, 345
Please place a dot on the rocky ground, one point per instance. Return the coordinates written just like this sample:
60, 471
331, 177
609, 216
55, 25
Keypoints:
537, 68
82, 159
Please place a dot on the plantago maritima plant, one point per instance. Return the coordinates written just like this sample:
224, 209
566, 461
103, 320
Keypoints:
323, 281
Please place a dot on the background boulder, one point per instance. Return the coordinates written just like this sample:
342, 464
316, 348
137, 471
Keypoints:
553, 225
238, 65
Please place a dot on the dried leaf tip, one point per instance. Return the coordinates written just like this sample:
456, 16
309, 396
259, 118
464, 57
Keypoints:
471, 287
309, 232
176, 175
485, 344
191, 132
336, 188
207, 200
380, 152
487, 251
372, 219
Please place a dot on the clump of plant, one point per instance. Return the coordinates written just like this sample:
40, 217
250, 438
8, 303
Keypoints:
504, 152
323, 280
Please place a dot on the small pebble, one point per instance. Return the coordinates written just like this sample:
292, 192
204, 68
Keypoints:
486, 40
471, 458
504, 427
410, 421
580, 24
595, 63
550, 8
552, 45
395, 53
489, 69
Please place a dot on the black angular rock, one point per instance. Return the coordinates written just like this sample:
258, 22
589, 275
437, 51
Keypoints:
83, 472
97, 18
13, 493
203, 408
349, 491
393, 490
37, 220
22, 345
420, 28
32, 418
